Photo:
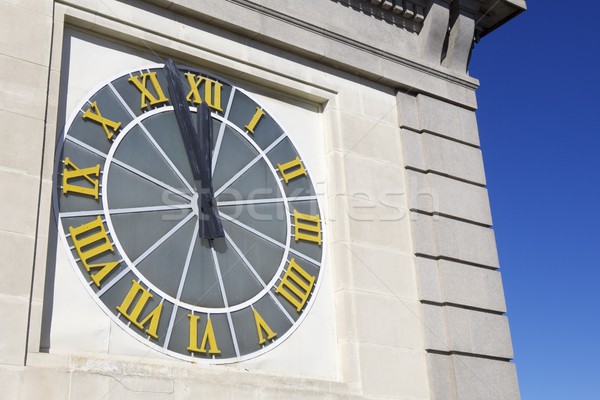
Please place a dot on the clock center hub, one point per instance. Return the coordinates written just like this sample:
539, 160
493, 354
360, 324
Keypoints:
194, 202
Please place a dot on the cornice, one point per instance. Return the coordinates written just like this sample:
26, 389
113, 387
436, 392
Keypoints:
393, 11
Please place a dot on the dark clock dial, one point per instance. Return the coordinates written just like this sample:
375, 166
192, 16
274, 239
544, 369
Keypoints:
127, 201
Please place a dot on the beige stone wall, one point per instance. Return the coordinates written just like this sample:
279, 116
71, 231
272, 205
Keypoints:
418, 299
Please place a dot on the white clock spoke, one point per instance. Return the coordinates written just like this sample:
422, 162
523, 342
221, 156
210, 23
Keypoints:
130, 168
154, 143
217, 150
74, 214
113, 281
268, 238
86, 146
181, 283
256, 275
144, 255
264, 201
224, 296
151, 179
133, 210
249, 165
163, 239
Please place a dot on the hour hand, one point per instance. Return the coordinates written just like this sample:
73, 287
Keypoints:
197, 145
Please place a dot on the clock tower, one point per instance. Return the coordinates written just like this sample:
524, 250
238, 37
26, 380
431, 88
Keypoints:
248, 199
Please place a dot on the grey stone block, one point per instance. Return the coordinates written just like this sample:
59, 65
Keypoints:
441, 377
428, 279
433, 193
480, 378
478, 332
408, 110
434, 328
426, 152
448, 238
471, 286
13, 331
446, 119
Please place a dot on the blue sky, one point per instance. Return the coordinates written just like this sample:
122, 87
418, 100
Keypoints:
539, 108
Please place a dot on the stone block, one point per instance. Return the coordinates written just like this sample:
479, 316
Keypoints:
107, 386
480, 378
389, 371
34, 383
369, 179
454, 159
471, 286
281, 33
17, 255
432, 193
466, 242
408, 111
430, 153
428, 279
22, 140
441, 377
478, 332
25, 34
445, 119
14, 311
434, 328
382, 224
438, 236
369, 137
412, 150
373, 269
23, 87
339, 55
19, 199
388, 321
39, 6
424, 234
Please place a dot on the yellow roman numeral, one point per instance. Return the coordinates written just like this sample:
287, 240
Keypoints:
212, 91
296, 285
291, 169
209, 337
261, 326
255, 119
133, 316
90, 240
146, 94
74, 172
307, 227
110, 127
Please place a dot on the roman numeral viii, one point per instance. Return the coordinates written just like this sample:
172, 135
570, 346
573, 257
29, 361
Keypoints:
90, 241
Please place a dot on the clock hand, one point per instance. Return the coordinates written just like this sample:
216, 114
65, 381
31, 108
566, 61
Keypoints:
198, 149
214, 228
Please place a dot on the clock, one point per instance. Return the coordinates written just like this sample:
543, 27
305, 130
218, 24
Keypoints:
188, 214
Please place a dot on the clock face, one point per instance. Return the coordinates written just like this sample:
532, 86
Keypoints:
126, 201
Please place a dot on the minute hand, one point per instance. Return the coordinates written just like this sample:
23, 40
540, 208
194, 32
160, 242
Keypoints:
198, 150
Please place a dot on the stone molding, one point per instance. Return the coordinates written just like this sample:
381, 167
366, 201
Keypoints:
394, 11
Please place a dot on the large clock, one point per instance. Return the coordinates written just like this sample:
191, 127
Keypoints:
188, 214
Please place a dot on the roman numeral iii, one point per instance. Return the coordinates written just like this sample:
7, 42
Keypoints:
296, 285
307, 227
